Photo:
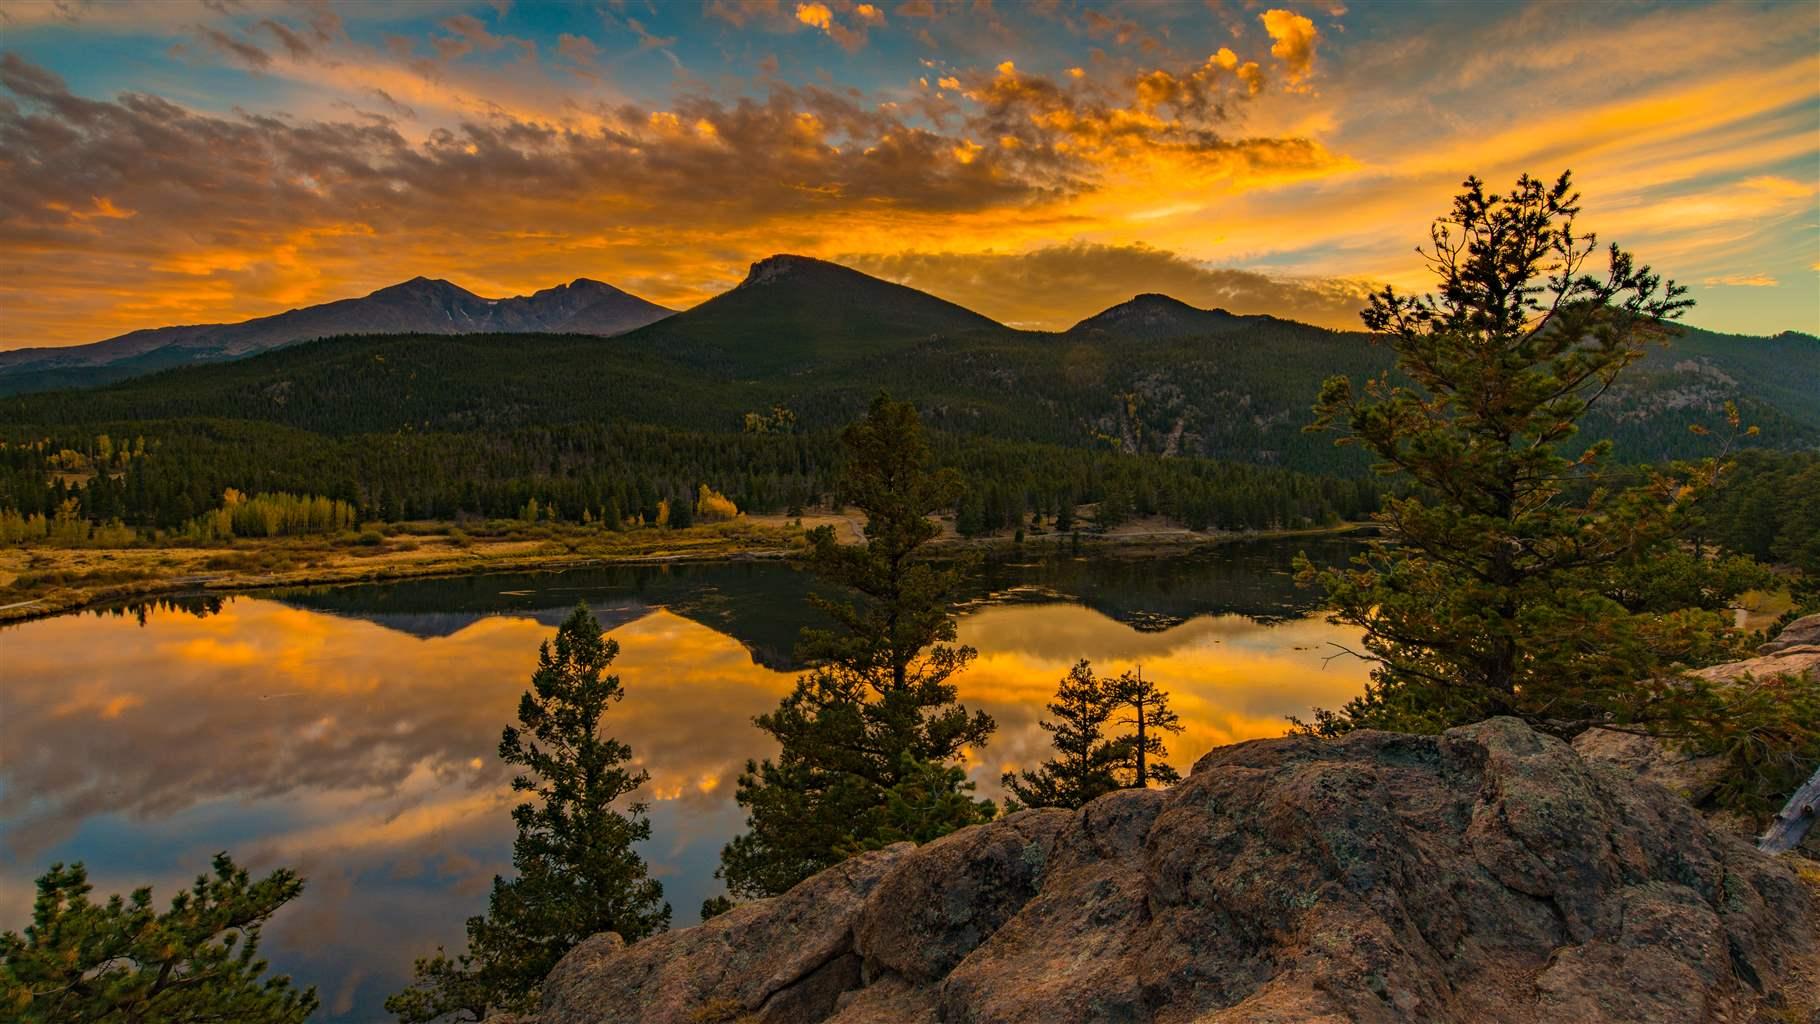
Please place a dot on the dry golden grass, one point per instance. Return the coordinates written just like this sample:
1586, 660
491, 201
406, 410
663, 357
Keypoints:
36, 581
42, 580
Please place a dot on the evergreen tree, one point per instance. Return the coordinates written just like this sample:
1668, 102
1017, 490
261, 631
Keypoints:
867, 737
1144, 706
81, 961
928, 800
682, 512
1493, 589
1087, 760
578, 873
1114, 508
714, 906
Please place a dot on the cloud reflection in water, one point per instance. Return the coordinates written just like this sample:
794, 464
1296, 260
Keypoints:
365, 756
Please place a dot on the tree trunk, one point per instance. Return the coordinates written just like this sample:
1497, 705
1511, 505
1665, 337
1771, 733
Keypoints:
1790, 827
1143, 777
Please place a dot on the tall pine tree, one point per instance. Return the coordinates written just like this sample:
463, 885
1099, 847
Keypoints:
867, 739
1493, 591
1087, 760
1143, 706
578, 873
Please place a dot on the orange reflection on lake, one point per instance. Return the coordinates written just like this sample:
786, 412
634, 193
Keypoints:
362, 750
1229, 678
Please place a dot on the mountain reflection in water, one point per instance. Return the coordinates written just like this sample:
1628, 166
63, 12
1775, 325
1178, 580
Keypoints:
351, 732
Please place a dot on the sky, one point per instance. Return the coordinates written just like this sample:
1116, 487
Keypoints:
195, 161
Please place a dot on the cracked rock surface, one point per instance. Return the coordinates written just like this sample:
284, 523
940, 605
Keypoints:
1489, 873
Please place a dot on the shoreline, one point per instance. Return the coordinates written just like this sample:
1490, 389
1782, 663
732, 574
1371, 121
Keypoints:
157, 572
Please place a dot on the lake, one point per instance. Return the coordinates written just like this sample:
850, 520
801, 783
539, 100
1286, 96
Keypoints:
351, 732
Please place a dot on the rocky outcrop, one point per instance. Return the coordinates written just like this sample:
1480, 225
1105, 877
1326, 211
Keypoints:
1801, 636
1487, 874
776, 961
1794, 651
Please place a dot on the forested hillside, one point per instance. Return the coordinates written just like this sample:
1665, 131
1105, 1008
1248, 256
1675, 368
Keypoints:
744, 391
603, 472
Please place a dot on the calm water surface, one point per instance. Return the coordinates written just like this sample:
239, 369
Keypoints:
351, 732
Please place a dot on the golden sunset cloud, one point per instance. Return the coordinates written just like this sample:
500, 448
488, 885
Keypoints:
509, 157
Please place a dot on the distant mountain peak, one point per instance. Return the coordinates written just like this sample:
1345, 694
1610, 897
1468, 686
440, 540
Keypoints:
580, 286
1157, 300
418, 285
420, 305
787, 265
795, 313
1155, 315
1145, 300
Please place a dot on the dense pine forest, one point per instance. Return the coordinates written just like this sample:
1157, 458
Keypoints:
176, 470
160, 475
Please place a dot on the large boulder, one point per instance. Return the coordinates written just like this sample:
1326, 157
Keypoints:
938, 906
1490, 873
1693, 777
770, 962
1803, 632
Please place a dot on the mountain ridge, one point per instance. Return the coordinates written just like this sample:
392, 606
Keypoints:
420, 305
830, 300
822, 339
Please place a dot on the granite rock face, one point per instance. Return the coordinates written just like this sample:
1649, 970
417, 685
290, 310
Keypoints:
1490, 873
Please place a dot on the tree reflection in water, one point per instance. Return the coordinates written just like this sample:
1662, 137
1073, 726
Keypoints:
351, 731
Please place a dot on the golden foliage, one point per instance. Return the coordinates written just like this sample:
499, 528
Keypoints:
711, 506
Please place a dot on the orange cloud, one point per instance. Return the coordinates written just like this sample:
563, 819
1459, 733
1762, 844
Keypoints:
850, 37
345, 206
1691, 142
1022, 288
815, 15
1743, 281
1293, 38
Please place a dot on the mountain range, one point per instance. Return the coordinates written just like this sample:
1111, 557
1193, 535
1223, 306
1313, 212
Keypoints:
1152, 375
418, 306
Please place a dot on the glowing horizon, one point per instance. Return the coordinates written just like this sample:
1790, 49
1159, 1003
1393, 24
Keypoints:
197, 163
